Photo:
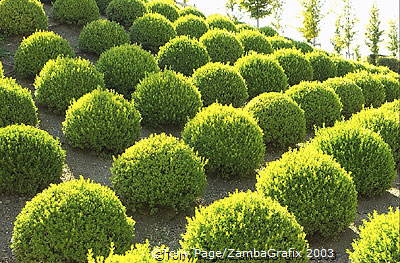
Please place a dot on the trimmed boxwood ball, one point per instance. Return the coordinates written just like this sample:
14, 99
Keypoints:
22, 17
102, 4
191, 25
183, 54
378, 240
102, 120
190, 10
30, 160
159, 171
64, 79
152, 31
323, 67
125, 66
281, 119
16, 104
393, 106
245, 221
304, 47
167, 98
321, 104
125, 12
343, 66
78, 12
297, 68
220, 83
392, 86
268, 31
240, 27
164, 7
61, 223
101, 35
35, 50
218, 21
279, 42
229, 138
254, 41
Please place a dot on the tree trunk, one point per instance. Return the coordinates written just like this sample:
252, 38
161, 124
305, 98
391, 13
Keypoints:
258, 22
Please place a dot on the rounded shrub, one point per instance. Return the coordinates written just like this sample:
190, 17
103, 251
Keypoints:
220, 83
191, 25
102, 5
16, 104
281, 119
218, 21
125, 12
167, 98
245, 221
78, 12
190, 10
102, 120
323, 67
159, 171
297, 68
254, 41
320, 103
164, 7
268, 31
240, 27
35, 50
183, 54
304, 47
378, 240
278, 42
343, 66
391, 85
64, 79
228, 137
222, 46
124, 66
30, 160
393, 106
152, 31
101, 35
392, 63
61, 223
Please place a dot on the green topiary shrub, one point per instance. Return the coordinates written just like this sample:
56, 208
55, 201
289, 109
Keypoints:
183, 55
125, 12
343, 66
254, 41
64, 79
30, 159
190, 10
36, 50
218, 21
16, 104
281, 119
323, 67
304, 47
78, 12
159, 171
102, 4
152, 31
262, 74
379, 239
392, 63
101, 35
65, 220
246, 222
220, 83
228, 137
297, 68
240, 27
393, 106
278, 42
314, 188
320, 103
125, 66
391, 85
191, 25
351, 95
1, 70
268, 31
163, 7
102, 120
222, 46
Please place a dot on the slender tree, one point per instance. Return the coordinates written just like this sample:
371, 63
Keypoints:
233, 10
373, 33
349, 22
312, 15
337, 39
393, 36
259, 8
357, 53
277, 16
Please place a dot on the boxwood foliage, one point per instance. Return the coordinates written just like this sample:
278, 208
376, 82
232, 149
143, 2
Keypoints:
21, 173
125, 12
152, 31
22, 17
245, 221
314, 188
321, 104
361, 152
124, 66
220, 83
78, 12
304, 47
16, 104
254, 41
164, 7
183, 54
297, 68
281, 119
229, 138
379, 239
222, 46
159, 171
323, 67
350, 94
167, 98
343, 66
279, 42
35, 50
190, 10
268, 31
64, 79
65, 220
218, 21
391, 85
101, 35
102, 4
1, 70
240, 27
392, 63
191, 25
393, 106
102, 120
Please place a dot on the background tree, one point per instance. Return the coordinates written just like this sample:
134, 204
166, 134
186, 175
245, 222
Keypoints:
259, 8
277, 16
357, 53
337, 39
349, 22
393, 35
374, 33
312, 15
233, 10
